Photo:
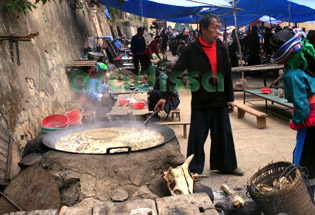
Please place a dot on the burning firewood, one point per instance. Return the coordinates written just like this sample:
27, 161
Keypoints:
179, 180
238, 201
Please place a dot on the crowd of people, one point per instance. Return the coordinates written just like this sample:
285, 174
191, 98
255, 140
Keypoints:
255, 44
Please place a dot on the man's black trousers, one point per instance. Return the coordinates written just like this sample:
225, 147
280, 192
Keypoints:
138, 58
222, 151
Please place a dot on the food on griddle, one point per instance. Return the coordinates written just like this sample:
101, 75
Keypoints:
97, 141
101, 134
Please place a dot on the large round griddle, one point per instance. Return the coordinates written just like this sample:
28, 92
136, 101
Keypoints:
52, 138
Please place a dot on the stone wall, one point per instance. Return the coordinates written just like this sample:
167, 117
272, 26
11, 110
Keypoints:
39, 87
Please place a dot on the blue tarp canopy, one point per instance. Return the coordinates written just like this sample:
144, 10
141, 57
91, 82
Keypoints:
192, 19
300, 11
307, 3
285, 10
269, 19
162, 9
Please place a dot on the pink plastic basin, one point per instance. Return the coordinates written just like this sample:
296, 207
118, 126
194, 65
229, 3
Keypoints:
74, 116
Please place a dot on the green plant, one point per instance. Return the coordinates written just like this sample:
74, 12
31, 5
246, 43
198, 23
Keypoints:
113, 14
22, 5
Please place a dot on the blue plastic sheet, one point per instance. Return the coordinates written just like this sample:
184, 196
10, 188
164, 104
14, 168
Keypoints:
162, 9
117, 44
283, 10
300, 11
106, 12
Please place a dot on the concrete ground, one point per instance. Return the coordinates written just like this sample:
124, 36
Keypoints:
255, 148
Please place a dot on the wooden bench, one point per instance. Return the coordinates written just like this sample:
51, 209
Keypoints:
242, 109
184, 124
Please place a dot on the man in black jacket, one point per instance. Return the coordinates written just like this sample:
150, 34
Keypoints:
209, 72
137, 48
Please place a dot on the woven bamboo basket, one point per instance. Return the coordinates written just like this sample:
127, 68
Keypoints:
292, 200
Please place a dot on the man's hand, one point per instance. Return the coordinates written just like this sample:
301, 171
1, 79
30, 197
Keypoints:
230, 106
160, 105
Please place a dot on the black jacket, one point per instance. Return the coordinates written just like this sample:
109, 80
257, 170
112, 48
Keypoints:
194, 59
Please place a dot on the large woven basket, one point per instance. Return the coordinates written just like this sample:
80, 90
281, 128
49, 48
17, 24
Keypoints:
292, 200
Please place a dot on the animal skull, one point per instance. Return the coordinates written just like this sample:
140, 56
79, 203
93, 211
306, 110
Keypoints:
179, 180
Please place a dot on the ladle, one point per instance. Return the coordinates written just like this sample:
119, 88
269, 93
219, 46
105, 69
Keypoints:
148, 119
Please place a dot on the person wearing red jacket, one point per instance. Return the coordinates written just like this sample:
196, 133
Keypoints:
153, 47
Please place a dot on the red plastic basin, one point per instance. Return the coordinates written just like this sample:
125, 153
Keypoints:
123, 102
74, 116
265, 90
138, 105
55, 121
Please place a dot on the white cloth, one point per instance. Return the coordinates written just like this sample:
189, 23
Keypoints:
99, 97
91, 42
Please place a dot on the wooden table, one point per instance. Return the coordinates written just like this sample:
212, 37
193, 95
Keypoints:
128, 110
258, 68
273, 97
80, 63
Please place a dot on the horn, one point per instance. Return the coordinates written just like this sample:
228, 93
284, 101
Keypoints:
187, 161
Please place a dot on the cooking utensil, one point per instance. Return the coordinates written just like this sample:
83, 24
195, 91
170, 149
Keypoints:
148, 119
50, 140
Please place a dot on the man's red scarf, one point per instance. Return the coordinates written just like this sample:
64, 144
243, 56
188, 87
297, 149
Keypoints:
211, 51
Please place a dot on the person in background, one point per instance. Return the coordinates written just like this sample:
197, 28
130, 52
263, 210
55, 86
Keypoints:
155, 95
151, 32
267, 47
153, 47
99, 95
311, 37
232, 50
164, 42
212, 101
298, 56
253, 47
193, 35
137, 48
